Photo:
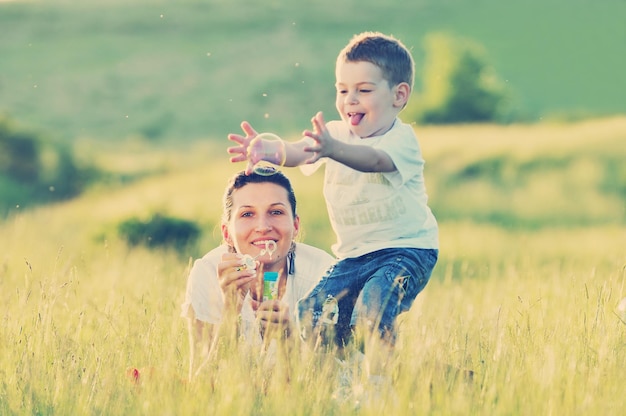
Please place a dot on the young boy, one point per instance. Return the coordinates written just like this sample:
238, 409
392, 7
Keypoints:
387, 236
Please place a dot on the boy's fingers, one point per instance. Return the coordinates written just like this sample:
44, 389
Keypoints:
247, 128
235, 149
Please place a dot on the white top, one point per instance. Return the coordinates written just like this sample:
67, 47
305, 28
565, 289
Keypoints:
372, 211
204, 299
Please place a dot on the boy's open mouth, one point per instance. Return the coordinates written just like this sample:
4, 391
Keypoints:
355, 118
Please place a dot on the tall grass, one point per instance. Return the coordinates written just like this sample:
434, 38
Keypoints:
531, 317
528, 310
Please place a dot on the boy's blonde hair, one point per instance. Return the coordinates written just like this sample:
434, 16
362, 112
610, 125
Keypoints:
384, 51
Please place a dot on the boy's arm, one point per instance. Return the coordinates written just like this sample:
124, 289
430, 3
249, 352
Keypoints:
296, 153
358, 157
292, 154
278, 152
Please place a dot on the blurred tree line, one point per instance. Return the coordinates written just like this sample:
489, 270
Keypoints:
459, 86
34, 170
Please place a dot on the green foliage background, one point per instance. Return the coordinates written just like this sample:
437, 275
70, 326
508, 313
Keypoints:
459, 86
191, 69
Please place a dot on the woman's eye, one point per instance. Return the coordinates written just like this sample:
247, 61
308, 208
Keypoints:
277, 212
246, 214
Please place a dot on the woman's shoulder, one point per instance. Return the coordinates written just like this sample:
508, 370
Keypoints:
312, 252
311, 260
214, 256
310, 265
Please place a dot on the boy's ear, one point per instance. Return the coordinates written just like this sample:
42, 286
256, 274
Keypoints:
402, 93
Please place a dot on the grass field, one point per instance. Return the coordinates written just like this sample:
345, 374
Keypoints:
526, 301
532, 216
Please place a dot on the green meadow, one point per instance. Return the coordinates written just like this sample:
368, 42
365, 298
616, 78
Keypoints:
524, 294
532, 214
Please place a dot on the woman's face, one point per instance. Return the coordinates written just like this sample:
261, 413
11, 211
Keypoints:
260, 213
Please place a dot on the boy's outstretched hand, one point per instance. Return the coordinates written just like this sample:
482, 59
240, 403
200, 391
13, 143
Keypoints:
324, 143
241, 150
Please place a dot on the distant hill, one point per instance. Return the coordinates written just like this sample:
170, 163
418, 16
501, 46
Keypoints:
515, 177
112, 69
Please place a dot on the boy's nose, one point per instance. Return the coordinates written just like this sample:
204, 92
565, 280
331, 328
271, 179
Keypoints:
350, 98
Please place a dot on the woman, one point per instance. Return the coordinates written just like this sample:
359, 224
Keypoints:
259, 222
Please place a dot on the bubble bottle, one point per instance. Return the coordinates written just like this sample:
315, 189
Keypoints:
270, 285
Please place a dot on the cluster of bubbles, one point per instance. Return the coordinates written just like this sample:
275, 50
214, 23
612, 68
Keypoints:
250, 262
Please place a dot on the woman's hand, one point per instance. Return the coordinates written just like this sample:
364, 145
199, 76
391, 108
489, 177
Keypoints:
274, 317
235, 279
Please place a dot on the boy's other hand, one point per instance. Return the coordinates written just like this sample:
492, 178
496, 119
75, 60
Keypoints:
324, 142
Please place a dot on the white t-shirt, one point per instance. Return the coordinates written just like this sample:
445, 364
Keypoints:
372, 211
204, 299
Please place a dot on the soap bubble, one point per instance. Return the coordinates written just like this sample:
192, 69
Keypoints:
265, 152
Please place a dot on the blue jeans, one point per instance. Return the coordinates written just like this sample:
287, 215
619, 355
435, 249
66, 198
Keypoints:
372, 290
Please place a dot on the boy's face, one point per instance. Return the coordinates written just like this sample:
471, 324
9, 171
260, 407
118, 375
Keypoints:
365, 100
